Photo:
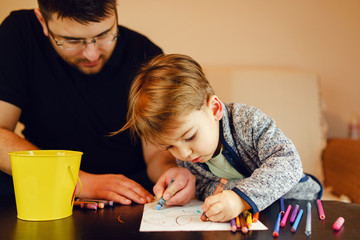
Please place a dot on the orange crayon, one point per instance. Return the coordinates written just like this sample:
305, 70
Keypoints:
218, 189
237, 220
255, 217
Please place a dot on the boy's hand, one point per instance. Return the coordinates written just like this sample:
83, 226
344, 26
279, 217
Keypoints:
224, 206
181, 191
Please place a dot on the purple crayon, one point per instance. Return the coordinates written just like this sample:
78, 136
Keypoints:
294, 213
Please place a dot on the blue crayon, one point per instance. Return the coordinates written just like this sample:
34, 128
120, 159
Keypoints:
162, 200
160, 203
282, 207
297, 221
277, 226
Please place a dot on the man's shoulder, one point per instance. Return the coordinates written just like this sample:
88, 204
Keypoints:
133, 36
22, 14
135, 41
20, 20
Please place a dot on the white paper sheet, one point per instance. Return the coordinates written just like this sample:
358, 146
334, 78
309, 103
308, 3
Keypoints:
182, 218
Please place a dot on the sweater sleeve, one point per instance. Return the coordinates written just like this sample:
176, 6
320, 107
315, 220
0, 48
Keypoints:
270, 155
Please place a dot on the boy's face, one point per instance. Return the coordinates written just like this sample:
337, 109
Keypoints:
197, 138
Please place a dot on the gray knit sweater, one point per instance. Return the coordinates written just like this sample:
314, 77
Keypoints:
261, 152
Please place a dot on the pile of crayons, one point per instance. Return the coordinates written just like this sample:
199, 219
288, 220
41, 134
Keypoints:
243, 222
92, 203
296, 216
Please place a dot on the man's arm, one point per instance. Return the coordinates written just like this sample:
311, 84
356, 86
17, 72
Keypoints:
9, 141
114, 187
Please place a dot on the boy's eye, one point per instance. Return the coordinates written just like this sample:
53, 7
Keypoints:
190, 138
168, 147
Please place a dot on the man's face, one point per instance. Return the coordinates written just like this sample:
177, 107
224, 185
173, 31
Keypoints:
92, 58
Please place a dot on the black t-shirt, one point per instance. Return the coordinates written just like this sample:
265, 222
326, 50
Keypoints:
65, 109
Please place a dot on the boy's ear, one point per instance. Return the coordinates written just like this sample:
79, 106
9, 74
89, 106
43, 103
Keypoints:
216, 107
41, 20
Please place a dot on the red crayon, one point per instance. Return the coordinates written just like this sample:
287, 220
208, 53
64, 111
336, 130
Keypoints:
320, 209
83, 203
91, 205
88, 205
244, 228
285, 217
338, 223
105, 202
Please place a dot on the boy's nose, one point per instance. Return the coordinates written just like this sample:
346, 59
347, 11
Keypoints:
184, 153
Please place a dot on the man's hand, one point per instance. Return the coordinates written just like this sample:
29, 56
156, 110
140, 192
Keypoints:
114, 187
181, 191
224, 206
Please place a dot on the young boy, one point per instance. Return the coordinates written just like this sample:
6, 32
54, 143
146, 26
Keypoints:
172, 104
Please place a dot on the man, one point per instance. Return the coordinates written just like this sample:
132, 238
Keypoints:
65, 71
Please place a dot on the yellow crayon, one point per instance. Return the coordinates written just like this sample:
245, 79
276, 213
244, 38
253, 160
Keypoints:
248, 219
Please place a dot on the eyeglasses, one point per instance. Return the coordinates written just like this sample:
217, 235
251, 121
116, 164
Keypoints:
78, 44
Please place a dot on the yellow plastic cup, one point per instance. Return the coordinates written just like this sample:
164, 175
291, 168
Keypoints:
44, 183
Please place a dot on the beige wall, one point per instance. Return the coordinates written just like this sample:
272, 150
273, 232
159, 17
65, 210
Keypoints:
321, 36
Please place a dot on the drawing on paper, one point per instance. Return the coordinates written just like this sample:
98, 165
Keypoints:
181, 218
175, 217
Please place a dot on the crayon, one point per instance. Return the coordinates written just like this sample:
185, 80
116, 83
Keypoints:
162, 200
78, 203
282, 207
237, 221
82, 202
88, 205
248, 219
308, 220
244, 228
294, 213
218, 189
91, 206
338, 223
320, 209
285, 217
256, 217
233, 225
106, 202
297, 221
277, 226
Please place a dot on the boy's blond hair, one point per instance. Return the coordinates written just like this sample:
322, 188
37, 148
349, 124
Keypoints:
166, 87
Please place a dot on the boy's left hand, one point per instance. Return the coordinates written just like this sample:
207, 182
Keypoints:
224, 206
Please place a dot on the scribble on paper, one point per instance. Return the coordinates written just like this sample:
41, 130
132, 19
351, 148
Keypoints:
180, 218
175, 217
